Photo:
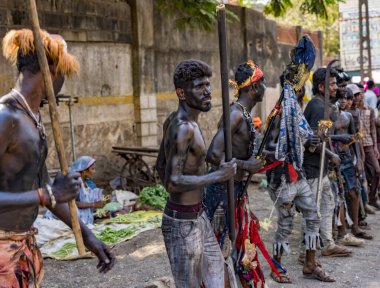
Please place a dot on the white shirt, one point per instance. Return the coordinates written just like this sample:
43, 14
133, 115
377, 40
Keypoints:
370, 99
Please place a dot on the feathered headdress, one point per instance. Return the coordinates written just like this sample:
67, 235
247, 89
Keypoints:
22, 41
256, 75
302, 58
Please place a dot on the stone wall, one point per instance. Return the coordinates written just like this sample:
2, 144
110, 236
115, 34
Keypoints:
128, 50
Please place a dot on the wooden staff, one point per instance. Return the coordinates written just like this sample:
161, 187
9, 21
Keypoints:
221, 15
323, 130
54, 119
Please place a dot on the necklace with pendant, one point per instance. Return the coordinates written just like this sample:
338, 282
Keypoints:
251, 128
24, 104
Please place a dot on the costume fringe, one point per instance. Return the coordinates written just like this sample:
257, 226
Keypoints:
55, 48
312, 240
348, 218
281, 248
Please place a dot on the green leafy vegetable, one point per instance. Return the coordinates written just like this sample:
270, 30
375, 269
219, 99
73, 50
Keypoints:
113, 206
65, 250
112, 236
155, 196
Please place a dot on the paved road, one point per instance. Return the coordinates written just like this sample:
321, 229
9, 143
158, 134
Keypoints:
143, 259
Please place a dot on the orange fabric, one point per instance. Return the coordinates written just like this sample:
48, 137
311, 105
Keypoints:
257, 122
257, 74
20, 259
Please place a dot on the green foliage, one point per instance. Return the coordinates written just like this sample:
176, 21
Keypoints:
329, 25
197, 14
319, 8
310, 14
155, 196
277, 7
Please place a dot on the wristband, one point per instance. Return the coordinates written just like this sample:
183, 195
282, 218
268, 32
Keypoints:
41, 196
52, 198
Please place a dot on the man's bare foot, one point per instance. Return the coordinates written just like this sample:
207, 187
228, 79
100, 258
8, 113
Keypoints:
284, 277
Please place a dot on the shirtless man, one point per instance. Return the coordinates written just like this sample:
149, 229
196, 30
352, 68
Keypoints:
23, 150
250, 89
343, 138
193, 251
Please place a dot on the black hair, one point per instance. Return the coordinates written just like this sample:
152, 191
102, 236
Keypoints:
189, 70
349, 94
319, 78
29, 62
370, 84
341, 96
243, 72
342, 76
359, 85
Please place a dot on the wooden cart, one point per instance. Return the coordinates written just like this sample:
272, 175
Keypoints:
138, 171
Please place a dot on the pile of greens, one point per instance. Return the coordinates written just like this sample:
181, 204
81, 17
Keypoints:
109, 207
155, 196
65, 250
112, 236
136, 217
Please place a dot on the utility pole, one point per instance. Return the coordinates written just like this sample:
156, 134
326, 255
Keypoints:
365, 41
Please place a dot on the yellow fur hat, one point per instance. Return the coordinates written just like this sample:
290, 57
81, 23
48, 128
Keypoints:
18, 43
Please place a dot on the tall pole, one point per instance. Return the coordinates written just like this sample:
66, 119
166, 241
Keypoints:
221, 15
57, 132
365, 40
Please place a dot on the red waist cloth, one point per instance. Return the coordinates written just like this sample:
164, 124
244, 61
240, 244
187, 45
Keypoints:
292, 172
20, 260
184, 208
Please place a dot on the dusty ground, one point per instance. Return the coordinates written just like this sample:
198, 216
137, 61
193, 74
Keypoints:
143, 259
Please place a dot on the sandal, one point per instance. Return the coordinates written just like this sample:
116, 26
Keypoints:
284, 277
363, 235
319, 274
336, 251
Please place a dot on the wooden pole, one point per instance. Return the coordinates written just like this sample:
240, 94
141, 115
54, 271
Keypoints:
221, 13
42, 60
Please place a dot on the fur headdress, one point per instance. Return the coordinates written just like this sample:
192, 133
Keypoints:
18, 43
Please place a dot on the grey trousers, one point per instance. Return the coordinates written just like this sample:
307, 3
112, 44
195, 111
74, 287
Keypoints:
326, 208
193, 252
286, 197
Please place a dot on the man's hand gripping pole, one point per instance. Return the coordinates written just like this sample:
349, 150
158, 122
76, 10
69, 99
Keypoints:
55, 120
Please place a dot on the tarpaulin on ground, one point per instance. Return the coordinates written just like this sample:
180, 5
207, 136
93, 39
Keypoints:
56, 240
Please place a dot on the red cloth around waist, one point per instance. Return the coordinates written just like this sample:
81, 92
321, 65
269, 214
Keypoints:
184, 208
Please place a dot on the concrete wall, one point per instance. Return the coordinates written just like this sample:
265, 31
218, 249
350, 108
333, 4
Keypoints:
128, 50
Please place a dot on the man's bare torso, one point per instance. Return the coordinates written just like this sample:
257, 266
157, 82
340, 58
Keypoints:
194, 162
240, 144
343, 126
20, 163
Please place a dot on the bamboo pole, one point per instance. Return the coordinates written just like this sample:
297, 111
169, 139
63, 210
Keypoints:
54, 119
221, 14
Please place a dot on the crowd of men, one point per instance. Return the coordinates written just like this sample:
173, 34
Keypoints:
332, 197
330, 222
